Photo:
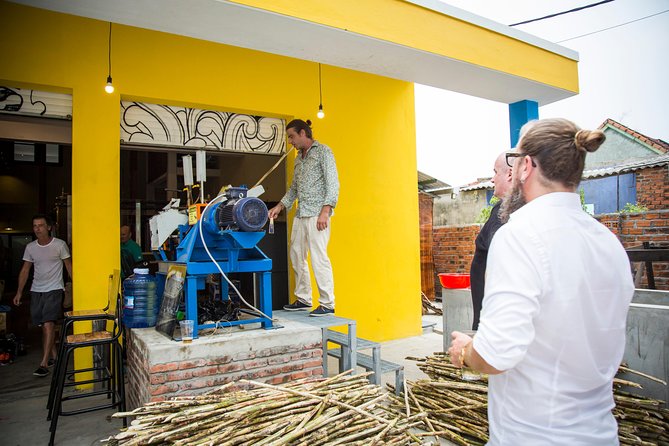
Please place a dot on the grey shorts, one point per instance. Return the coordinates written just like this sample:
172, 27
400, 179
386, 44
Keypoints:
46, 307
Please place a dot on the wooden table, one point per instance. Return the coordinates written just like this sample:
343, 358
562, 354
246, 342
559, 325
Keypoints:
648, 255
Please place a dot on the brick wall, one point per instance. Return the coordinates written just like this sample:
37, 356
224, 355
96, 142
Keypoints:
454, 245
158, 369
635, 229
426, 245
652, 188
453, 249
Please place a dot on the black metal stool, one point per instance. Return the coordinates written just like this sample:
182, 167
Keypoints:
69, 317
111, 371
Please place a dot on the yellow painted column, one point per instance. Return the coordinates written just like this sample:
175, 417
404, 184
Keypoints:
95, 196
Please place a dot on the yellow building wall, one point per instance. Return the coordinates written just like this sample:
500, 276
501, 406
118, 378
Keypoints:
369, 124
408, 24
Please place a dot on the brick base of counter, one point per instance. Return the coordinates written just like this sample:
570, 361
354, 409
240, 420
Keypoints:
158, 368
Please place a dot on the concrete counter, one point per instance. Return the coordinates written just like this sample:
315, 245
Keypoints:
159, 368
647, 343
647, 347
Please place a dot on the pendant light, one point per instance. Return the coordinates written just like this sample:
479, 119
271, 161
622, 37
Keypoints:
321, 113
109, 88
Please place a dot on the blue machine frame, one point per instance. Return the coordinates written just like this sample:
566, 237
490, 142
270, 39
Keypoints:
235, 252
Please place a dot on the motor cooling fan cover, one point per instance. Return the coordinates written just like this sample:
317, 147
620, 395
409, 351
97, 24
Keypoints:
249, 214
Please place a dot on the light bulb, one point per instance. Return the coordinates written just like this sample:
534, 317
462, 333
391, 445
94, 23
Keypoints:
109, 88
321, 113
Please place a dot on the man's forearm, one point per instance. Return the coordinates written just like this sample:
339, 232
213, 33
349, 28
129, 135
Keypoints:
23, 278
473, 360
68, 267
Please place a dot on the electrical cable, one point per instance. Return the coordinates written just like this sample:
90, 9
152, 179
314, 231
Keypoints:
562, 13
206, 248
226, 329
615, 26
109, 50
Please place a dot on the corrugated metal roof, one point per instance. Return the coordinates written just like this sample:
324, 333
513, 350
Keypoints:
622, 167
631, 166
626, 167
429, 184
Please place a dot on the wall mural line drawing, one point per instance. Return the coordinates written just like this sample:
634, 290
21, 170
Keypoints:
21, 101
155, 124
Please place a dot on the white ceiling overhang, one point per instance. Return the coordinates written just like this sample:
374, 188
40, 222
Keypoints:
243, 26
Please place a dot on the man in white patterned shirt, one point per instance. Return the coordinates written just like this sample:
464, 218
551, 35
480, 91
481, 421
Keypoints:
315, 185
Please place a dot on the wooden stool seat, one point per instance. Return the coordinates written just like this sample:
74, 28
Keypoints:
86, 337
84, 313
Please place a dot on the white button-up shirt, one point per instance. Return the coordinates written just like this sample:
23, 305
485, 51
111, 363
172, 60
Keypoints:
557, 292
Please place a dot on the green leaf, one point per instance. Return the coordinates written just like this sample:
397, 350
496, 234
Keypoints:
485, 212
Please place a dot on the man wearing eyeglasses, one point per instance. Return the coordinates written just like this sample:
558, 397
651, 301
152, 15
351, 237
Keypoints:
557, 291
502, 182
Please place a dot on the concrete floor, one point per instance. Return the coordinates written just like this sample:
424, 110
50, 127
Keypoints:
23, 397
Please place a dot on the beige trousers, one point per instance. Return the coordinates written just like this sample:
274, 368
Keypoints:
306, 238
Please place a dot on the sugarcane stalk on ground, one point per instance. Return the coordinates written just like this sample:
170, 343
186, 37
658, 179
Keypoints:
342, 410
457, 410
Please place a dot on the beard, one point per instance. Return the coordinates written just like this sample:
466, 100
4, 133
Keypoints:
512, 201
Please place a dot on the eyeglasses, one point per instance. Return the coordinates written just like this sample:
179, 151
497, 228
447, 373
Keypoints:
510, 155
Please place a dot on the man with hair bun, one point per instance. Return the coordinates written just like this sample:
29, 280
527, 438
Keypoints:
315, 186
557, 291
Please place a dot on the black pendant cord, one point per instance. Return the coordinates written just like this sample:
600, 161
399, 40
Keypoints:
109, 51
320, 87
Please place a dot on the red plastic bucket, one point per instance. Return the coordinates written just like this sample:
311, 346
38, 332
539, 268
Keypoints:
453, 281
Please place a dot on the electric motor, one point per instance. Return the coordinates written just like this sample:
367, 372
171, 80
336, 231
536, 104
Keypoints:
242, 213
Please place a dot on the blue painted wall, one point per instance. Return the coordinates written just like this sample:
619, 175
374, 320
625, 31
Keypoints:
488, 195
610, 194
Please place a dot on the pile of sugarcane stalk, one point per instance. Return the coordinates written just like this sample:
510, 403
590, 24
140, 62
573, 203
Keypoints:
641, 420
457, 410
342, 410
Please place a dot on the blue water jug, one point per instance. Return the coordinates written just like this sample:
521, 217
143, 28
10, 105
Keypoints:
140, 301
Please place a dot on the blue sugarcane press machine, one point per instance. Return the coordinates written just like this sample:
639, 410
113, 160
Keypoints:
227, 234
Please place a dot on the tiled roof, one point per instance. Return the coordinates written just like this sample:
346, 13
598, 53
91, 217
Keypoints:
658, 144
481, 184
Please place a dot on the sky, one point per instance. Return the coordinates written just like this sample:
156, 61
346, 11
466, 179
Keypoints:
623, 75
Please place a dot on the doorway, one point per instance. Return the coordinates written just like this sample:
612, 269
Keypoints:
152, 176
35, 178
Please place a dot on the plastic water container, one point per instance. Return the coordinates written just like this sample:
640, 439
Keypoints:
140, 301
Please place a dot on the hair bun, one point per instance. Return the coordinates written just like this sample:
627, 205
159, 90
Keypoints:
589, 140
309, 122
